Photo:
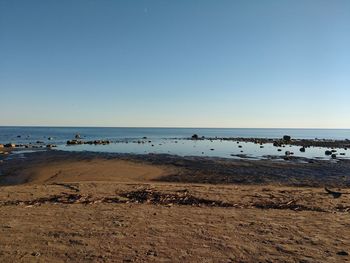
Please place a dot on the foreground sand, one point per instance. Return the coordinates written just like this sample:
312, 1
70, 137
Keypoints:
112, 210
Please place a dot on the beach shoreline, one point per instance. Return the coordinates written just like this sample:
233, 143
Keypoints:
108, 207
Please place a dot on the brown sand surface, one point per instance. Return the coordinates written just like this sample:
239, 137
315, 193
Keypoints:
93, 170
89, 209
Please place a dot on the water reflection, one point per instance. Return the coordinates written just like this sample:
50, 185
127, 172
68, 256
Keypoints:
215, 148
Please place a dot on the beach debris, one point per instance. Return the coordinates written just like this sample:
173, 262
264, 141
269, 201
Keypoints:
69, 186
333, 193
178, 198
36, 254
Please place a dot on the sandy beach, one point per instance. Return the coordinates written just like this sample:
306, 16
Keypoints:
92, 207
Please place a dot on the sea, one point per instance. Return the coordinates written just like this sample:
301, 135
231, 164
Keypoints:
174, 140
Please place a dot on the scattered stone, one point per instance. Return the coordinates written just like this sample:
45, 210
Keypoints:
36, 254
74, 142
328, 152
212, 149
18, 136
261, 146
342, 253
334, 156
194, 137
51, 146
287, 153
302, 149
279, 150
239, 146
342, 153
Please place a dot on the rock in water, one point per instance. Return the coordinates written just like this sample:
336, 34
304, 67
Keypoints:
302, 149
286, 138
194, 137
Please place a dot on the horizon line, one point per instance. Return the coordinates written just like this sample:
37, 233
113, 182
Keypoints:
165, 127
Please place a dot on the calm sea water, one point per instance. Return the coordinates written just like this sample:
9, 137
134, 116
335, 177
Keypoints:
163, 140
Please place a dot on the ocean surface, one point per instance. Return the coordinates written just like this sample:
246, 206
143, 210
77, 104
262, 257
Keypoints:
169, 140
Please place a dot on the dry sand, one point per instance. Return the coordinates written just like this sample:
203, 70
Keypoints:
102, 209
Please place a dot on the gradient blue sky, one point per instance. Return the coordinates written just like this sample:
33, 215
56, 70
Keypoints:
175, 63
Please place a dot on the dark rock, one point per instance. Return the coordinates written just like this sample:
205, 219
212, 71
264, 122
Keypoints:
77, 136
302, 149
287, 138
74, 142
51, 146
280, 150
10, 145
342, 253
194, 137
328, 152
287, 153
334, 156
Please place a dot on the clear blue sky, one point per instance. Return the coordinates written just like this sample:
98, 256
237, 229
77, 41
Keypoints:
175, 63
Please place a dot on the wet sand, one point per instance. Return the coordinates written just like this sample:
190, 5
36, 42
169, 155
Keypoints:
90, 207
